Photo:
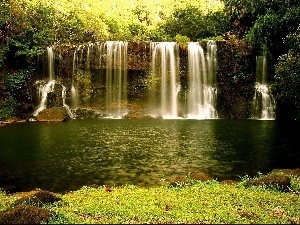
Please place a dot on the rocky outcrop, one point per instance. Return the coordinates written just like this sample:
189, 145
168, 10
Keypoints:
37, 197
55, 114
138, 115
282, 182
25, 214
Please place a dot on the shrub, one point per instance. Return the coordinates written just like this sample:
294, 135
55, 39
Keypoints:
8, 107
287, 80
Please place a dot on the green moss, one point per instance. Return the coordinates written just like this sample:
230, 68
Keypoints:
200, 202
195, 202
6, 201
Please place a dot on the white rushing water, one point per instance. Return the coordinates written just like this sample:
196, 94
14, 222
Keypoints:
116, 78
165, 78
263, 106
202, 92
44, 88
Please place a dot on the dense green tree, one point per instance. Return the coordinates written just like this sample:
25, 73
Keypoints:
4, 29
264, 22
243, 14
192, 23
286, 88
33, 27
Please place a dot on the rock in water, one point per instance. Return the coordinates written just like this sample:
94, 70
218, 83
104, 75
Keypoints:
55, 114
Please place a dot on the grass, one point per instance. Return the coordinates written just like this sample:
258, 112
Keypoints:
195, 202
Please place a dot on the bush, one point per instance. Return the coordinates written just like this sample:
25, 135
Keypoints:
34, 27
8, 107
287, 80
16, 83
192, 23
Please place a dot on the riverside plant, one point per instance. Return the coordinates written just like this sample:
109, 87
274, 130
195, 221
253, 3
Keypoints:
193, 201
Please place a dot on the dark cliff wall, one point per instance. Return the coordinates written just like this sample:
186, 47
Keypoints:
236, 76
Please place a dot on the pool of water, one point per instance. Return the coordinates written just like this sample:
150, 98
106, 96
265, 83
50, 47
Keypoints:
65, 156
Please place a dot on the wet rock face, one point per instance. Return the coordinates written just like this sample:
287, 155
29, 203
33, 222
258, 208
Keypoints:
55, 114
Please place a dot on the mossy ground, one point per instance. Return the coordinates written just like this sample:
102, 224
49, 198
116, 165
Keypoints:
191, 202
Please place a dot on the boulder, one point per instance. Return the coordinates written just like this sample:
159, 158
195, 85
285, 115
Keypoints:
292, 172
55, 114
25, 214
137, 115
277, 181
37, 197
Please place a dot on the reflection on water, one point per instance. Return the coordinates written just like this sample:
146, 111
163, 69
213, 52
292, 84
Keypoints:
66, 156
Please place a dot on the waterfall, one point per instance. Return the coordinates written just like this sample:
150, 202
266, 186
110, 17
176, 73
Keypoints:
44, 88
201, 81
74, 92
165, 78
50, 57
116, 78
263, 106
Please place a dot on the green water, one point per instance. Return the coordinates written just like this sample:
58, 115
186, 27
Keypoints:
65, 156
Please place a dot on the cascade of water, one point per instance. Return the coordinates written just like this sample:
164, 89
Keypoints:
165, 68
202, 78
50, 56
263, 106
116, 78
63, 94
44, 88
74, 92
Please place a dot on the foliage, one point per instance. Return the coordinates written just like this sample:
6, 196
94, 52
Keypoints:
4, 12
8, 107
3, 52
191, 22
264, 22
182, 41
17, 92
287, 79
6, 201
243, 13
4, 18
16, 83
270, 30
34, 27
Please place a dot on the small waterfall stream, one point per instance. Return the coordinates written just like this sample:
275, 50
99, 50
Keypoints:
263, 106
74, 89
46, 87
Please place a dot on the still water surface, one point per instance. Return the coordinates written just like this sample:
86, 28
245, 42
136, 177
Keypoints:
65, 156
